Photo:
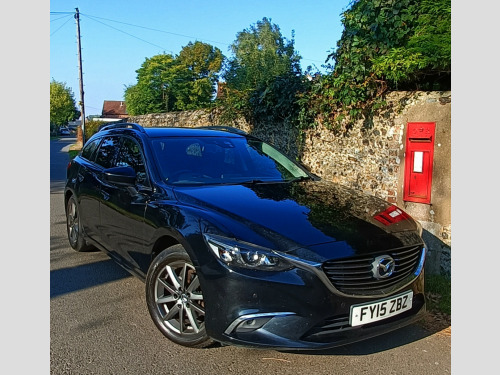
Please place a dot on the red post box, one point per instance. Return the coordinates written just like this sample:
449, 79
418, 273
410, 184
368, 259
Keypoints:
418, 161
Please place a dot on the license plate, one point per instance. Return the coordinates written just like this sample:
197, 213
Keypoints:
372, 312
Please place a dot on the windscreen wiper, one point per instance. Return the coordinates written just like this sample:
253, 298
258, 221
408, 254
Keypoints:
253, 182
297, 179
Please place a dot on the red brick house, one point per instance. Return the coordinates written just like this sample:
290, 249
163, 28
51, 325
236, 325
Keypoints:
114, 109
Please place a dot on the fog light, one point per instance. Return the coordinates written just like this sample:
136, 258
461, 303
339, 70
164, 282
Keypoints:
252, 324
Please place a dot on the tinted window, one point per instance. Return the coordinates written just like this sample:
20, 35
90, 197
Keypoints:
212, 160
89, 149
131, 156
107, 154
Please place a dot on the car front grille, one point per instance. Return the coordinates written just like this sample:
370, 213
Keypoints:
354, 275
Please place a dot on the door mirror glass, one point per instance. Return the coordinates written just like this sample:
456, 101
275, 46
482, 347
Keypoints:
120, 175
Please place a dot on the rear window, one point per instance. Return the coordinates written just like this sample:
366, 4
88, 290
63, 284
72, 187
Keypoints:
88, 150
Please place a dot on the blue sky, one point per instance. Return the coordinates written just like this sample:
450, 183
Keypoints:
117, 36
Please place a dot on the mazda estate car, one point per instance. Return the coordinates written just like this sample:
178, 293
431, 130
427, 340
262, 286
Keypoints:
237, 244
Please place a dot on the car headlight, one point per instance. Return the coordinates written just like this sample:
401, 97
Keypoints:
243, 254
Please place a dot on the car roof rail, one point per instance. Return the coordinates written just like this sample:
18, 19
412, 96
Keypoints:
122, 125
228, 129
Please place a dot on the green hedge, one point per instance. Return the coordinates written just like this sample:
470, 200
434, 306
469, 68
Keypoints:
91, 128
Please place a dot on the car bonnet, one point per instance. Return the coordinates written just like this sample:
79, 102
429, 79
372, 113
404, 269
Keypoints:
305, 214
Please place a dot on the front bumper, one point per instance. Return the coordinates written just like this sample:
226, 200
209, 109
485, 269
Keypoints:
289, 310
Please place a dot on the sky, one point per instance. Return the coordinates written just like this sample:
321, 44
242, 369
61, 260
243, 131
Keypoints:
117, 36
110, 59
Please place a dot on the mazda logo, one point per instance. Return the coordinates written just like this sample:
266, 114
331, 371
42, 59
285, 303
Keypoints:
383, 267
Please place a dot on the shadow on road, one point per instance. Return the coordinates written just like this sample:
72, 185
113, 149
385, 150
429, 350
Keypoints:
387, 341
57, 187
69, 280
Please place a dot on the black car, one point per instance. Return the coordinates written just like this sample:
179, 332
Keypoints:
238, 244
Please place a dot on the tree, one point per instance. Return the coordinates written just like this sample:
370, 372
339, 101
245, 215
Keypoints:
203, 63
386, 45
175, 83
264, 75
155, 88
62, 105
405, 44
422, 61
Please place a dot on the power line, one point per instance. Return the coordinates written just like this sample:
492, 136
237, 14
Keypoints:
60, 27
96, 19
124, 32
89, 106
157, 30
60, 18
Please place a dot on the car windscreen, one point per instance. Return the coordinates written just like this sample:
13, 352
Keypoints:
217, 160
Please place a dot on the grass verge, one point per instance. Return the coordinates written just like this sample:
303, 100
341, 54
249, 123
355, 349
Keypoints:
438, 298
438, 293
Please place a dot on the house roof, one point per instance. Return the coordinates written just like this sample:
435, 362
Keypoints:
114, 108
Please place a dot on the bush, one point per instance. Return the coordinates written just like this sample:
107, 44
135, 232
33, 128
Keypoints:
91, 127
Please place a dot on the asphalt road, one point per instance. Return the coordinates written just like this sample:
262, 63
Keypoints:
99, 324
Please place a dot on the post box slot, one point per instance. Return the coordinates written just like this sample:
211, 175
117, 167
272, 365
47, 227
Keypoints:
421, 140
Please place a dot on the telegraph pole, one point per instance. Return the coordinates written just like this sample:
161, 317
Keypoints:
82, 103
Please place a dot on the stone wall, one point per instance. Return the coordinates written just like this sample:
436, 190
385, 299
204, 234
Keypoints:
372, 160
367, 158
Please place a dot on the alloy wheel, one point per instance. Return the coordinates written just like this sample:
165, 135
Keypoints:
73, 223
179, 299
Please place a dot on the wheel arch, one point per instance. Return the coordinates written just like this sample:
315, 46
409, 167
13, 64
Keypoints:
161, 244
67, 195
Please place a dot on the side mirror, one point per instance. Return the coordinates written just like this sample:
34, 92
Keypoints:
120, 175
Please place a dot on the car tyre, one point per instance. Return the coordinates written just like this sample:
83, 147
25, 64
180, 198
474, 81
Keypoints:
74, 228
174, 298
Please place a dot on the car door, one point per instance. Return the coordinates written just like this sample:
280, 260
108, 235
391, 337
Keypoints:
89, 189
91, 186
123, 206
